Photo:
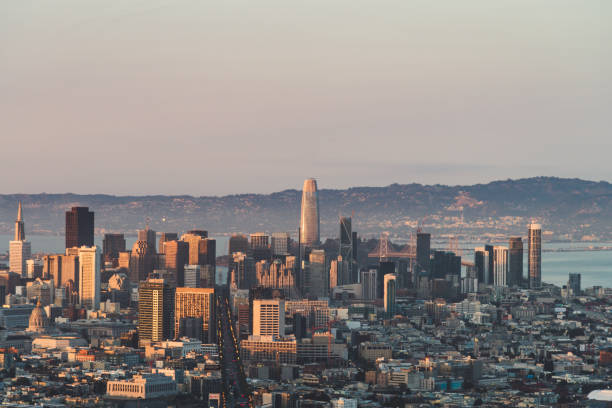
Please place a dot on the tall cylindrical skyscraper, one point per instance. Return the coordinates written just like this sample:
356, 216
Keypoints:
309, 221
535, 255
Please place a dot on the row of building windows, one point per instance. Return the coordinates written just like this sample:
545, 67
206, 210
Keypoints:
126, 387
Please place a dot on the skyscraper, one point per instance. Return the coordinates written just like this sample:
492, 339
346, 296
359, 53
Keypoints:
192, 276
384, 268
20, 250
269, 317
574, 283
148, 235
238, 243
500, 266
195, 303
177, 256
309, 221
202, 250
243, 268
390, 283
481, 264
490, 250
155, 310
79, 227
515, 261
339, 272
534, 248
346, 239
368, 284
166, 237
142, 261
89, 277
316, 278
111, 246
423, 250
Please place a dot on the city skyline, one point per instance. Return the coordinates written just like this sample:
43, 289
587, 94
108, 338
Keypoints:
425, 260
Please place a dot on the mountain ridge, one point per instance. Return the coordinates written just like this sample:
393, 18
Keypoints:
569, 208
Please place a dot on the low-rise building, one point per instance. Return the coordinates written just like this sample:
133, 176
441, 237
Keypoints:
144, 386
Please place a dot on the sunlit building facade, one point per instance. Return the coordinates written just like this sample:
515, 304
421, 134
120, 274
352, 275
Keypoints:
309, 220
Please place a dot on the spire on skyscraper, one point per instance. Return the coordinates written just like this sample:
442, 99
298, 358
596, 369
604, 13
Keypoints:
19, 225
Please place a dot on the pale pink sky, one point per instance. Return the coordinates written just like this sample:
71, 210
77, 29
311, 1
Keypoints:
194, 97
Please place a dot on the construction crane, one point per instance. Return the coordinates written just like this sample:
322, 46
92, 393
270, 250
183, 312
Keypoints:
329, 337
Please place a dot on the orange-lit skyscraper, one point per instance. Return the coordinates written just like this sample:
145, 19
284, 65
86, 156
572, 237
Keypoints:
20, 249
309, 221
196, 303
534, 242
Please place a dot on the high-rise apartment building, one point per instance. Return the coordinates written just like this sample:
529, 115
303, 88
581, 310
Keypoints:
515, 261
309, 220
534, 261
89, 277
500, 266
155, 310
111, 246
20, 250
269, 317
390, 283
79, 227
195, 303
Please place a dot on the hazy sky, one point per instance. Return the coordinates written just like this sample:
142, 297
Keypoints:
201, 97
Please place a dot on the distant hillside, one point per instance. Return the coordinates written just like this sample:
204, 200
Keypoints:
570, 209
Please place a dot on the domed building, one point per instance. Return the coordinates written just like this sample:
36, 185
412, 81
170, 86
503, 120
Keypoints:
39, 323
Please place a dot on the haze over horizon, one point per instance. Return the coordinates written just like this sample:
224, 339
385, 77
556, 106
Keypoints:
299, 188
159, 97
